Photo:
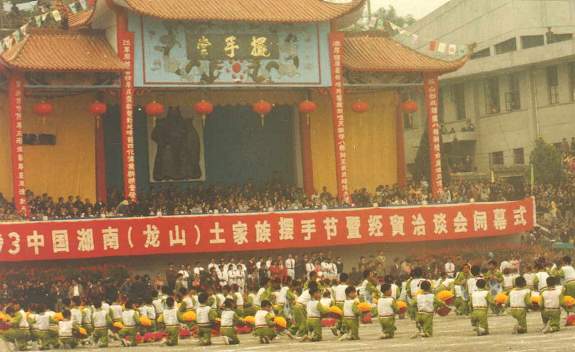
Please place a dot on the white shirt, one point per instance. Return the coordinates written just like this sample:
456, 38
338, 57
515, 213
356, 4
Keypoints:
425, 302
348, 308
65, 328
385, 307
304, 298
339, 293
517, 297
203, 315
128, 318
312, 310
542, 280
261, 318
171, 317
290, 263
479, 298
450, 268
569, 273
227, 318
99, 318
551, 298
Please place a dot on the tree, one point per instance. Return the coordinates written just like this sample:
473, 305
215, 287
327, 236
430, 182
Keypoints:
547, 163
389, 14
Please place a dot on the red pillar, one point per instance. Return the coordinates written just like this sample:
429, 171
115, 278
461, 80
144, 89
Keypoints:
101, 191
337, 97
401, 177
305, 137
431, 91
16, 101
126, 53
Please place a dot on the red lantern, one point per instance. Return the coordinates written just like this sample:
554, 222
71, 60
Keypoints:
43, 108
307, 107
409, 106
98, 108
360, 106
154, 109
204, 108
262, 108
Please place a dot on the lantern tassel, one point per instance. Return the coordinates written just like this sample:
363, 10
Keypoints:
204, 121
262, 119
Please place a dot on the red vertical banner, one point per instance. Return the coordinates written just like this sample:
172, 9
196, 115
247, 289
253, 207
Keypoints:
126, 52
400, 145
305, 137
16, 98
336, 55
431, 91
101, 192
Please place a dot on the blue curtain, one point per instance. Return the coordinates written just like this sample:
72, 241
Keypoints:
239, 150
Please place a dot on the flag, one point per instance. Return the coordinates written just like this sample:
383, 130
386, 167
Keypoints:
492, 176
461, 51
24, 29
442, 47
17, 35
83, 4
433, 45
56, 16
452, 49
72, 8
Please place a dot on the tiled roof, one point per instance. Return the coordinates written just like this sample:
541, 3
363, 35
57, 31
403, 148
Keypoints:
279, 11
383, 54
56, 50
80, 19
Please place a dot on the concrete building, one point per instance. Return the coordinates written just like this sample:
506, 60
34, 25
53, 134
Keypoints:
519, 84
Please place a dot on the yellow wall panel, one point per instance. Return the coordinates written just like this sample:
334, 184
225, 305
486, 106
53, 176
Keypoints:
370, 140
322, 148
67, 168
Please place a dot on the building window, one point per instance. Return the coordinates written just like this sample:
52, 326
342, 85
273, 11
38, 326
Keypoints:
481, 53
513, 95
572, 80
556, 38
458, 96
553, 84
409, 121
492, 103
506, 46
532, 41
518, 156
497, 158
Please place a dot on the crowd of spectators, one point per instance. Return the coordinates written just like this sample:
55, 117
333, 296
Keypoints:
208, 199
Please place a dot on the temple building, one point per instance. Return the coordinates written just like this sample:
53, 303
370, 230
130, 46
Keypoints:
131, 94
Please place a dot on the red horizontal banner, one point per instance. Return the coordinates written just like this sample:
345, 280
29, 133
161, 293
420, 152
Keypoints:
262, 231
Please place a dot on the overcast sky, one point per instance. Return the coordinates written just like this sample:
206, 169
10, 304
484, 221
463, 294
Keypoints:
417, 8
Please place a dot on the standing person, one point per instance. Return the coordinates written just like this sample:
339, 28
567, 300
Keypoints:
66, 331
300, 264
380, 264
339, 265
290, 266
413, 285
340, 297
171, 276
449, 268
